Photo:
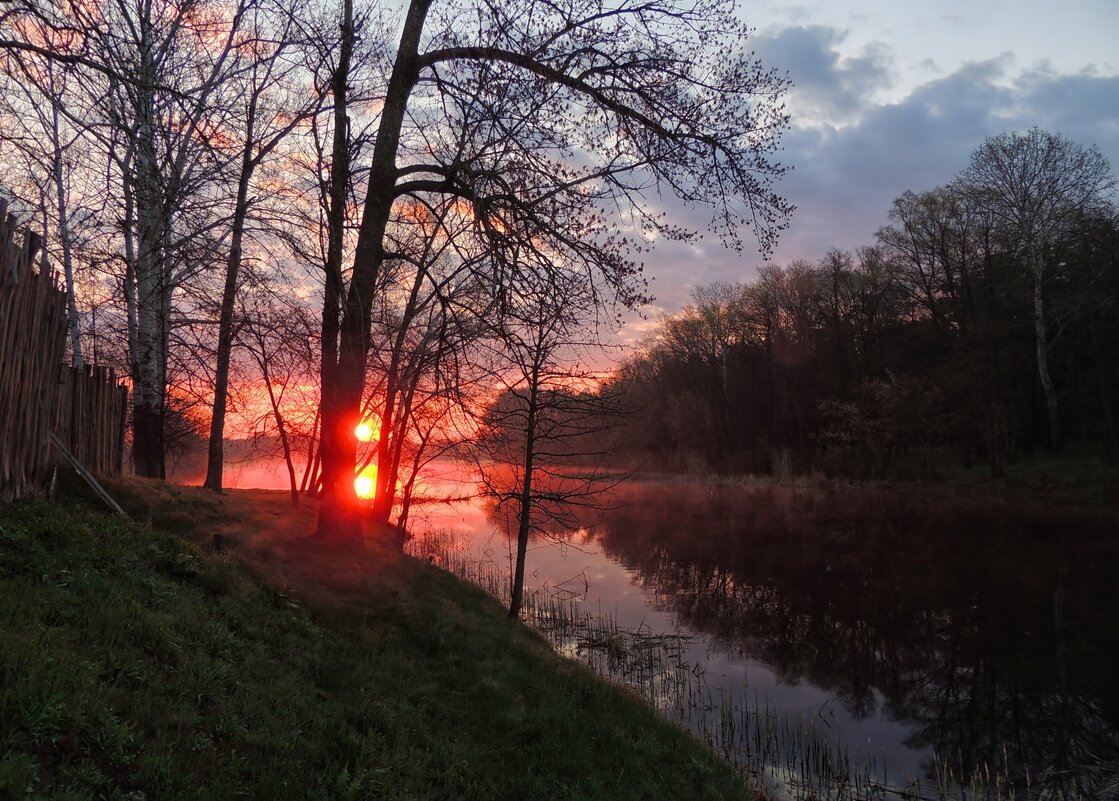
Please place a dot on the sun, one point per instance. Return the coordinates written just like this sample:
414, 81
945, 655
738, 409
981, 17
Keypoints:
365, 485
365, 432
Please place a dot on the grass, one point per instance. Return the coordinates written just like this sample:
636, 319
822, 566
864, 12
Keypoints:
135, 663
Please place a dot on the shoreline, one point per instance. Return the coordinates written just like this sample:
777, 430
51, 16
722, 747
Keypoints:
1034, 486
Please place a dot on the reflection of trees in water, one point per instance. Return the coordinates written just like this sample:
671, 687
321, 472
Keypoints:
559, 502
989, 632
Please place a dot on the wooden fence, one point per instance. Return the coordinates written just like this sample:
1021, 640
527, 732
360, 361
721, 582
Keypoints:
39, 394
91, 417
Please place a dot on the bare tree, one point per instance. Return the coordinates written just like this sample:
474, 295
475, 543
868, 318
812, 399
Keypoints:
942, 248
152, 85
429, 318
553, 127
541, 442
35, 126
274, 105
316, 212
596, 104
276, 335
1036, 184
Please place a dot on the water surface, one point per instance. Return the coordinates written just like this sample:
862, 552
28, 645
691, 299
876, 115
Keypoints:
919, 640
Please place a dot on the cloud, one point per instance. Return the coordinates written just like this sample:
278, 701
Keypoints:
853, 154
827, 87
846, 177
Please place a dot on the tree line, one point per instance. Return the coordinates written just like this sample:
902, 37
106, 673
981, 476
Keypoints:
981, 326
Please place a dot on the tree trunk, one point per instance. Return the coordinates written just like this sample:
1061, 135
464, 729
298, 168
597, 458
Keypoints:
386, 479
1105, 396
147, 358
406, 495
279, 418
1043, 356
216, 455
525, 516
343, 380
147, 436
390, 442
312, 454
403, 416
66, 242
390, 448
147, 372
337, 519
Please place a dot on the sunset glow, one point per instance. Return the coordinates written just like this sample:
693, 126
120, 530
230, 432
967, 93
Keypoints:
678, 327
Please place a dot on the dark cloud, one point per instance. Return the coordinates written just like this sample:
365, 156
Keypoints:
826, 85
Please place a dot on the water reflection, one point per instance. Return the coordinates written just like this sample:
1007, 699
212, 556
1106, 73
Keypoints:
990, 631
978, 639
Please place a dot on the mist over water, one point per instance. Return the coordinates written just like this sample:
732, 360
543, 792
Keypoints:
922, 635
253, 473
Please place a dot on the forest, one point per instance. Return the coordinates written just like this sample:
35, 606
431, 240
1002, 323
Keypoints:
981, 327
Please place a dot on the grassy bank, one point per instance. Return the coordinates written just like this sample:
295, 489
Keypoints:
138, 663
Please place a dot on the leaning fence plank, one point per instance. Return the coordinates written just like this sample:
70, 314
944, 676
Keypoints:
93, 482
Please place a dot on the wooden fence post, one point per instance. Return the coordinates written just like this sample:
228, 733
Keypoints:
41, 397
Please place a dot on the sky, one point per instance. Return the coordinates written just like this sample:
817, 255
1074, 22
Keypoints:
892, 95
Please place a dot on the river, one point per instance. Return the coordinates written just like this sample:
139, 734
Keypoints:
839, 642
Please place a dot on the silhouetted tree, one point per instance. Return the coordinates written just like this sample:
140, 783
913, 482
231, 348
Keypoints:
544, 424
151, 85
647, 95
275, 102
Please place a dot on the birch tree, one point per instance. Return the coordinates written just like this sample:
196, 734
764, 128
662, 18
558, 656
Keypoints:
35, 126
152, 85
1036, 185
